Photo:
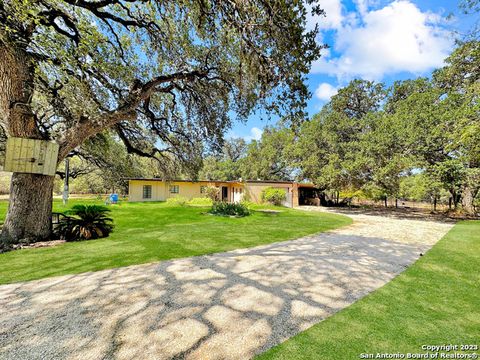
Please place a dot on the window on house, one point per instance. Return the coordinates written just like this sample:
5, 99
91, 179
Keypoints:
147, 191
174, 189
203, 189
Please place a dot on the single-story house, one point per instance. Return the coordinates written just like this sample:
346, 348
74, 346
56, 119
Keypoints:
230, 191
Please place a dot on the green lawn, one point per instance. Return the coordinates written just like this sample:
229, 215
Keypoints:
436, 301
147, 232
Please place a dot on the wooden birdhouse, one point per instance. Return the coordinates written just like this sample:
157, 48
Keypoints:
31, 156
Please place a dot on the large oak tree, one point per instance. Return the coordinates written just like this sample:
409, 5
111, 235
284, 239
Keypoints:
166, 76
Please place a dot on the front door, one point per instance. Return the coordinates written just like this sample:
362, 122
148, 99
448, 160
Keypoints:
224, 193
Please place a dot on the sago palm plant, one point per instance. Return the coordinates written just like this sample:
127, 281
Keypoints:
85, 222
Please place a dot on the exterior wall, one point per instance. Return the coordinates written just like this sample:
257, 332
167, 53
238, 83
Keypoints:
251, 191
254, 190
295, 195
187, 190
135, 190
161, 189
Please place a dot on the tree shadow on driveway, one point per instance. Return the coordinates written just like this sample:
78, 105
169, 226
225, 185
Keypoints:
225, 306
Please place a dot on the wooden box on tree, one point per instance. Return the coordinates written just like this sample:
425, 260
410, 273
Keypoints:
31, 156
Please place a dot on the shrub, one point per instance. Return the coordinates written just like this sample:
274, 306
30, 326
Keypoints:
274, 196
229, 209
84, 222
202, 201
177, 201
212, 192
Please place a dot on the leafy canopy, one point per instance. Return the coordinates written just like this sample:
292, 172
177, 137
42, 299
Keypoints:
166, 76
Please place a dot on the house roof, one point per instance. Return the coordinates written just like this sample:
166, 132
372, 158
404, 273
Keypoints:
228, 181
225, 181
180, 180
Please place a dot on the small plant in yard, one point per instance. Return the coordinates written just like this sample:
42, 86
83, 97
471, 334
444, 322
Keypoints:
274, 196
228, 209
84, 222
177, 200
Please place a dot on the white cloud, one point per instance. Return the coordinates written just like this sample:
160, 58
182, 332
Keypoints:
363, 5
396, 38
333, 18
325, 91
255, 134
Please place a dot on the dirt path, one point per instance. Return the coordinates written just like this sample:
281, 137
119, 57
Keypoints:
225, 306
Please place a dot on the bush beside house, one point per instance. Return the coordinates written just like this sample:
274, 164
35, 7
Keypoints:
229, 209
212, 192
274, 196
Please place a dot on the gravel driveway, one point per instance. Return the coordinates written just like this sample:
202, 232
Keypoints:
230, 305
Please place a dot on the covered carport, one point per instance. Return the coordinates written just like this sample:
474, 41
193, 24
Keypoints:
309, 194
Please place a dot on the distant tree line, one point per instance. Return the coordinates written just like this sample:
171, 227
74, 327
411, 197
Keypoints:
417, 139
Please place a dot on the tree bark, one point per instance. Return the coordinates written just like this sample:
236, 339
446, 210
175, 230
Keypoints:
454, 199
467, 200
29, 211
386, 201
30, 205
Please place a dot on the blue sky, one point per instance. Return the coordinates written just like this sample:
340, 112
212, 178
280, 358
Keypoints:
381, 40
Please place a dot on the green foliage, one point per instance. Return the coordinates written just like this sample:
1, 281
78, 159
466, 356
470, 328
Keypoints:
274, 196
422, 187
222, 208
371, 138
84, 222
358, 98
342, 144
215, 168
166, 77
227, 165
374, 192
177, 201
268, 159
265, 159
360, 194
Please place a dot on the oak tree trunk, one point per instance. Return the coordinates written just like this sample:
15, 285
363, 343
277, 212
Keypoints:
30, 205
30, 209
467, 200
454, 199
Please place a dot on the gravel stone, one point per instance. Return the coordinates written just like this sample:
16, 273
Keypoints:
231, 305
